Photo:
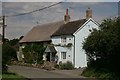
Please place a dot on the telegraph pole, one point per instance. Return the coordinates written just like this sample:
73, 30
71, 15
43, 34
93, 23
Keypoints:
3, 29
119, 9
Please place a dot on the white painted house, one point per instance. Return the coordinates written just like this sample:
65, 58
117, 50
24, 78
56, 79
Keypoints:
69, 44
64, 39
68, 39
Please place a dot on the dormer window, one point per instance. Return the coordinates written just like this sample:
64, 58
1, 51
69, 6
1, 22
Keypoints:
63, 39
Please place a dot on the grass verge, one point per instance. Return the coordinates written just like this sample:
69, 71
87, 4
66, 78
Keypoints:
12, 76
99, 74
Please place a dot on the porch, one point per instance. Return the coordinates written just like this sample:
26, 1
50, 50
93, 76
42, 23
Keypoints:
50, 54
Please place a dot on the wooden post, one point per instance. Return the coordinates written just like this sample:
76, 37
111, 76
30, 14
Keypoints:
3, 29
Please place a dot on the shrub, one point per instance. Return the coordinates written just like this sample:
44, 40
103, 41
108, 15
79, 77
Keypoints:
88, 72
68, 65
104, 45
99, 74
41, 62
33, 53
8, 53
48, 65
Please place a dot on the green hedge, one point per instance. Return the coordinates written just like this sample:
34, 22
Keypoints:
100, 74
67, 66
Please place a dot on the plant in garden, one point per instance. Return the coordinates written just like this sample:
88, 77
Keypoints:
103, 46
33, 53
68, 65
8, 53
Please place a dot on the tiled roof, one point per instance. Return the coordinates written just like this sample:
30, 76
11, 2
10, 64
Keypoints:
69, 28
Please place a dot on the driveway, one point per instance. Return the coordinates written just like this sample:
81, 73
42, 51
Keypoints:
35, 73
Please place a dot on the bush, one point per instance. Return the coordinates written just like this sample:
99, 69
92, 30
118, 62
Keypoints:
104, 45
8, 53
88, 72
99, 74
33, 53
41, 62
68, 65
48, 65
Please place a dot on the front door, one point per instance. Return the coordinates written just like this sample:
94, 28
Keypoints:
48, 56
53, 56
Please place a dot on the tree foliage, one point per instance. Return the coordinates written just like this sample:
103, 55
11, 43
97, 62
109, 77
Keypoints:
33, 52
13, 42
104, 45
8, 53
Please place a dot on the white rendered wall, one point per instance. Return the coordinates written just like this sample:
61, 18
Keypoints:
56, 40
80, 35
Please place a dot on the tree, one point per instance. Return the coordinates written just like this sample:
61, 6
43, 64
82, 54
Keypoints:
13, 42
33, 52
104, 45
21, 37
8, 53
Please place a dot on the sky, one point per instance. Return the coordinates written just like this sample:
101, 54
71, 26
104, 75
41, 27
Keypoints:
59, 0
20, 25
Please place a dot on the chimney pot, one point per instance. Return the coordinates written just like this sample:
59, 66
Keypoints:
66, 11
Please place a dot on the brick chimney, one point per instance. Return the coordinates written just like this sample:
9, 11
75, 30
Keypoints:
88, 13
66, 17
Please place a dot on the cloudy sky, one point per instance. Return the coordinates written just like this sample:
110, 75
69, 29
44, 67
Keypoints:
20, 25
59, 0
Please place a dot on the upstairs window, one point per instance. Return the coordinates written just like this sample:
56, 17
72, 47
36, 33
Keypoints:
63, 39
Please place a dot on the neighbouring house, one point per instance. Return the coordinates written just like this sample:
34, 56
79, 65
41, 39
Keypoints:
64, 39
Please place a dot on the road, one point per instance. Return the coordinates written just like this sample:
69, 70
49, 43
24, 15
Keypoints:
35, 73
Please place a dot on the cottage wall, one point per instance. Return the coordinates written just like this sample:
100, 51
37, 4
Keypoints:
80, 35
63, 47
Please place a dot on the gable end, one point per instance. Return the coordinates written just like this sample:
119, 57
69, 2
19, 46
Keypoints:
85, 24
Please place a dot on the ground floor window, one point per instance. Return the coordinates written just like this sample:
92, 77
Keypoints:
63, 55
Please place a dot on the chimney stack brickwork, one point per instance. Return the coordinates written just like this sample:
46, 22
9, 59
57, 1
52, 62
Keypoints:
66, 17
88, 13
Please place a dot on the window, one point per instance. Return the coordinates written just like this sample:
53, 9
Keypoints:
63, 39
63, 55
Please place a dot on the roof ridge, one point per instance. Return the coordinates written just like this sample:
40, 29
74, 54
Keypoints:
45, 24
78, 20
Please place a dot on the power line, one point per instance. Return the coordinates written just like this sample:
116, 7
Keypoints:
34, 10
3, 17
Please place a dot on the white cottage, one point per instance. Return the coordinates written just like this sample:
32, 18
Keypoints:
68, 39
63, 39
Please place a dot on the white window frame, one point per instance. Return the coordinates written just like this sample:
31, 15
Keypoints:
63, 39
63, 55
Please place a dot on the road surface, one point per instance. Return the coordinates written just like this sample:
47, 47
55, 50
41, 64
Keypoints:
35, 73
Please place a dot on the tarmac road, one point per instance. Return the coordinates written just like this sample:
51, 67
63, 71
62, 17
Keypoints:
41, 74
